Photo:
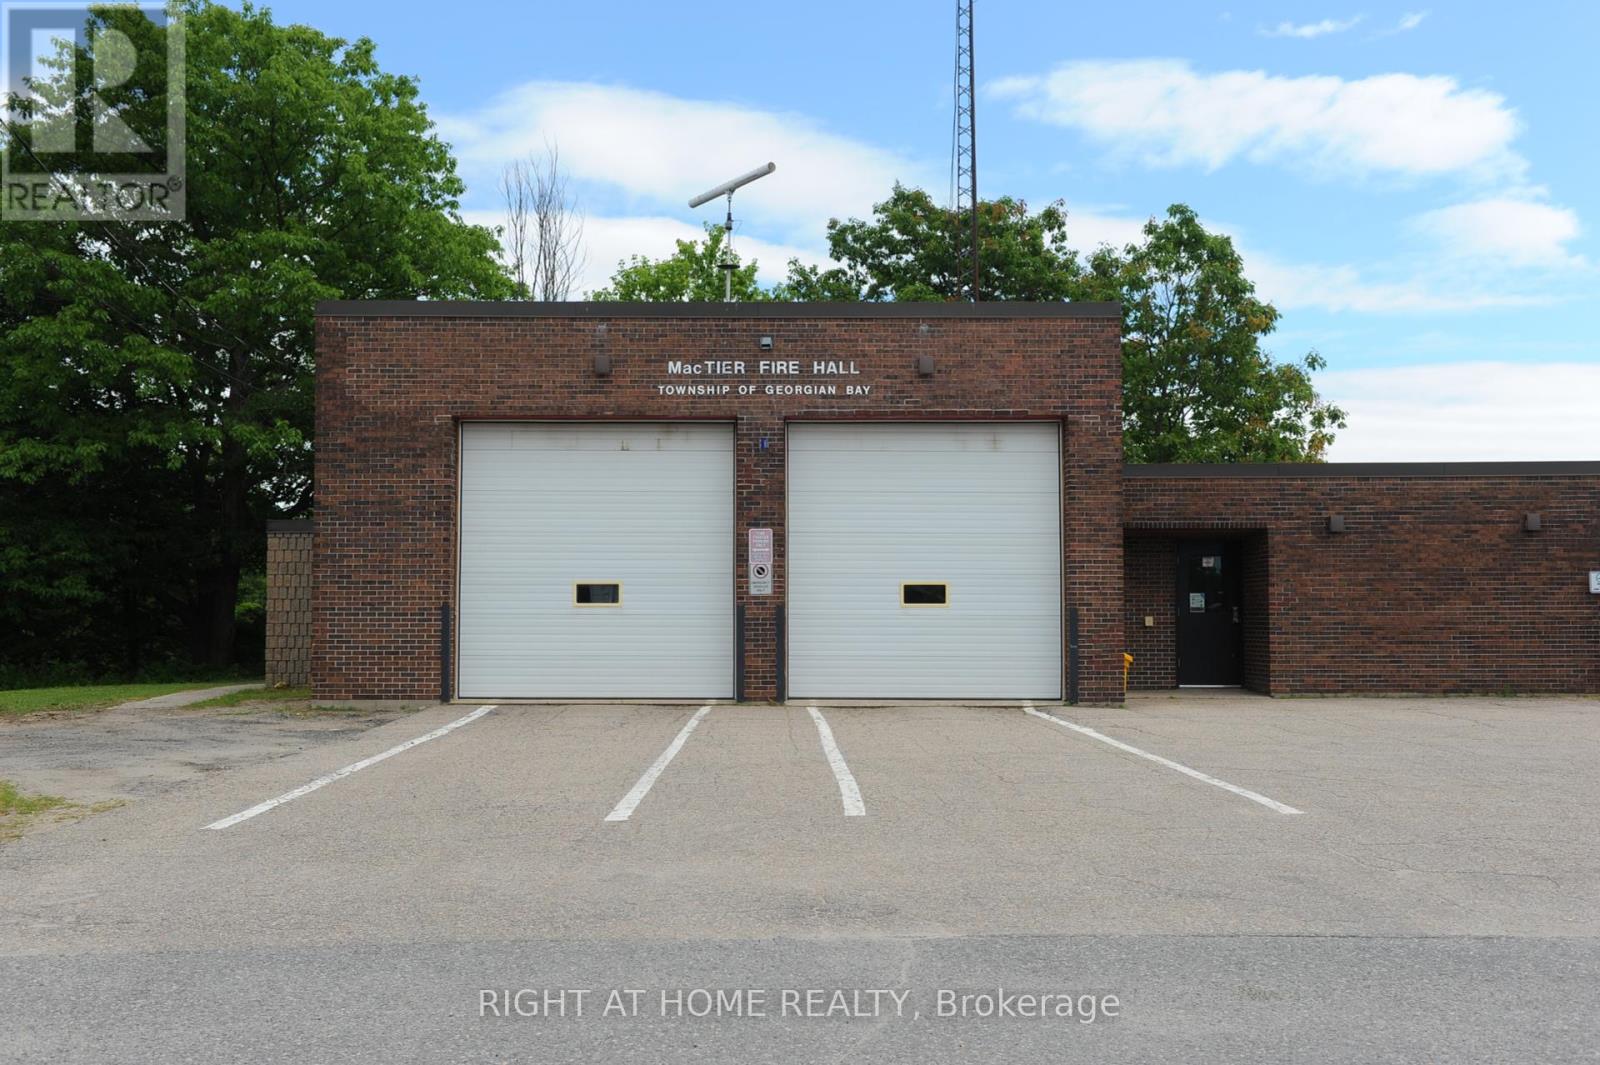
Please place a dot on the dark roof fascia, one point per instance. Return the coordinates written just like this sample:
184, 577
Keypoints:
1190, 471
588, 310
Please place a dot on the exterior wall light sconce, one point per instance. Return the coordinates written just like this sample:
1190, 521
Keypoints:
925, 365
1532, 522
1336, 523
766, 343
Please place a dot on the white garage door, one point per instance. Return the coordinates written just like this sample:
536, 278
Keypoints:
596, 561
925, 561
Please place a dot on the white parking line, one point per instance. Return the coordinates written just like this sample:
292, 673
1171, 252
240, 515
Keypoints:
849, 794
1271, 804
624, 809
337, 774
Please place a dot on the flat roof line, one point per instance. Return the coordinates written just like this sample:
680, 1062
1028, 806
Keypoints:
1317, 470
591, 309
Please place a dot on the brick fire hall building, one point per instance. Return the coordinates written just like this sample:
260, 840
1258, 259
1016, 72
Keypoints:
872, 501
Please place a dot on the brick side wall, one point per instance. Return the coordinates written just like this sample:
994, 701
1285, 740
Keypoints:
1434, 588
289, 604
1256, 563
391, 391
1150, 568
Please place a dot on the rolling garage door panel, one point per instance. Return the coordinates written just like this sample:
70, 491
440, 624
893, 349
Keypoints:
546, 505
977, 506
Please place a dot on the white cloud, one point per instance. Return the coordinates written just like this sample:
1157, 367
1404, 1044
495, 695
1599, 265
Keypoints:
1088, 230
1470, 410
610, 240
1514, 232
1419, 284
1307, 30
659, 150
1340, 287
1169, 114
1408, 22
1416, 285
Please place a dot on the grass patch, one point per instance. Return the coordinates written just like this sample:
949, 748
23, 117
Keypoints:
304, 709
18, 701
13, 801
255, 695
18, 812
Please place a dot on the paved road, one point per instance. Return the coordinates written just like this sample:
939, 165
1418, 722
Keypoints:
1438, 898
139, 750
186, 697
1182, 1000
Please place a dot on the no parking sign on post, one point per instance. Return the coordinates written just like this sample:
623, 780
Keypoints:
760, 561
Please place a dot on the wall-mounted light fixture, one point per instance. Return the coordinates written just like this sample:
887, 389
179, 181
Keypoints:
766, 343
1532, 522
1336, 523
925, 365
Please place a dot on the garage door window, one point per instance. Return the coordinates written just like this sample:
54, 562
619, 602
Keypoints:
597, 593
924, 594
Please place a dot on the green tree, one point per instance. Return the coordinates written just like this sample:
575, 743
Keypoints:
155, 377
691, 274
915, 250
1197, 384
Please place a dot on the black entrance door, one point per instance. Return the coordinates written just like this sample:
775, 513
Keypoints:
1209, 592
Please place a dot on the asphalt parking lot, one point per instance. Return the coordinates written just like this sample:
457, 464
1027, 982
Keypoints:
1380, 879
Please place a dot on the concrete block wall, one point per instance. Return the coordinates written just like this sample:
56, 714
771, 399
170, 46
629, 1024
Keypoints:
289, 603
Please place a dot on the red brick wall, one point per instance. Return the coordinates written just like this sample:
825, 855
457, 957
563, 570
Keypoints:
1256, 564
1433, 588
1150, 582
391, 389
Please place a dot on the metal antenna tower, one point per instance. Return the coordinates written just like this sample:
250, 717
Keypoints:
964, 137
727, 261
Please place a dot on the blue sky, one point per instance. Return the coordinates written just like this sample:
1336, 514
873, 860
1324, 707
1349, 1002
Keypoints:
1414, 185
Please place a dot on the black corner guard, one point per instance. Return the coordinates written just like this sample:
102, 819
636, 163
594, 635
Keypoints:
445, 687
1072, 656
